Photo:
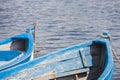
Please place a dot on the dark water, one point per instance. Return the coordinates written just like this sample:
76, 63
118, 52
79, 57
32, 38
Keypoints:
62, 23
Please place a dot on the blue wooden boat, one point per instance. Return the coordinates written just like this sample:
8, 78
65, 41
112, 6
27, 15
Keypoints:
92, 60
16, 50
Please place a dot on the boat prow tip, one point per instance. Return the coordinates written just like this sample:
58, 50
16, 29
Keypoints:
105, 34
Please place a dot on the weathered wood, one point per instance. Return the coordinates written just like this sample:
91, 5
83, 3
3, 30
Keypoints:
86, 56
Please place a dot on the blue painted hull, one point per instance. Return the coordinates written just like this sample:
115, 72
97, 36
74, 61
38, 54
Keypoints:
16, 50
72, 62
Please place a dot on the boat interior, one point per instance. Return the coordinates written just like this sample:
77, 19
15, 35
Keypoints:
12, 51
20, 45
97, 52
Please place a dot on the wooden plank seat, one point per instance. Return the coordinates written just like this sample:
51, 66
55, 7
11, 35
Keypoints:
78, 65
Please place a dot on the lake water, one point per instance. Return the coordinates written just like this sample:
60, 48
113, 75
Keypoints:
62, 23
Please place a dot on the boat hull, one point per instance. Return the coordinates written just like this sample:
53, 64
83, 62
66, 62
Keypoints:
88, 61
16, 50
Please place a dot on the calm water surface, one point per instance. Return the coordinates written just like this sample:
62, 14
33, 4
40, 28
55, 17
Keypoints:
62, 23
